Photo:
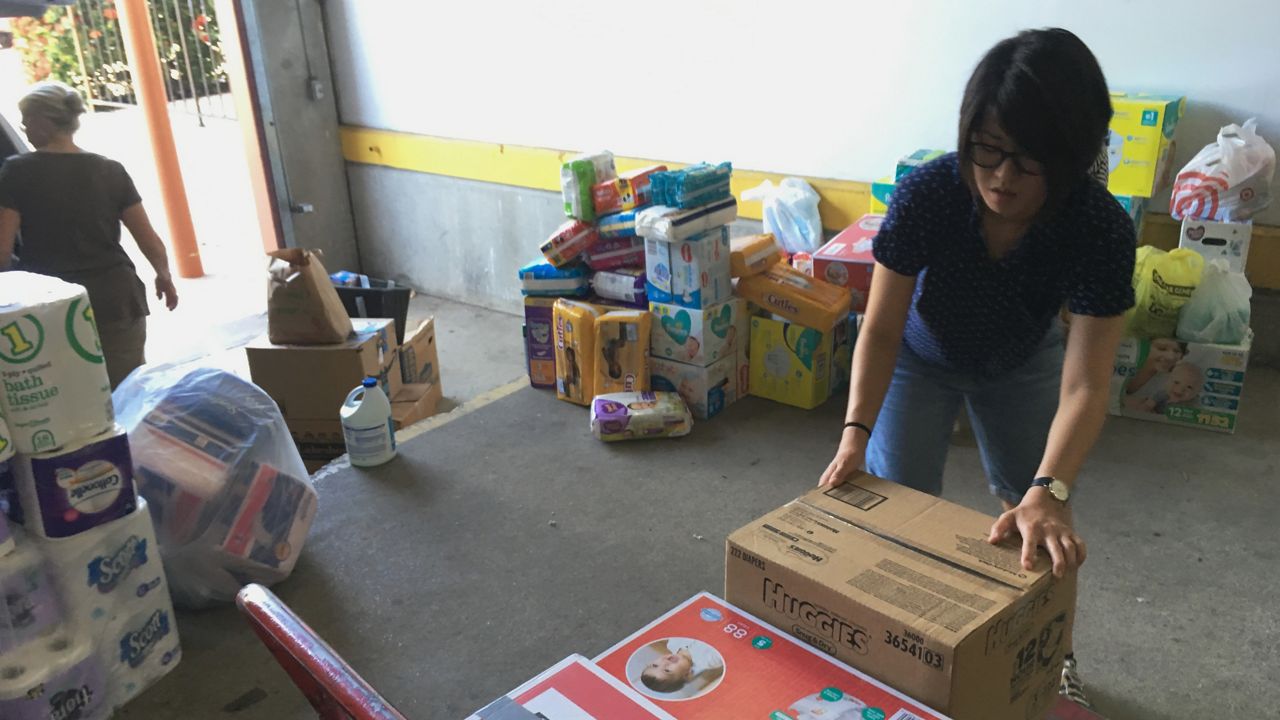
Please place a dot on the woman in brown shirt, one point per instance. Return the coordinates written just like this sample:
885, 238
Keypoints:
69, 204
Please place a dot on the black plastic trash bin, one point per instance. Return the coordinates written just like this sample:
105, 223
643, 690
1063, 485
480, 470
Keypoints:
382, 299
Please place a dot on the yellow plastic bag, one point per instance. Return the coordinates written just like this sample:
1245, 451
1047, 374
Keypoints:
1162, 284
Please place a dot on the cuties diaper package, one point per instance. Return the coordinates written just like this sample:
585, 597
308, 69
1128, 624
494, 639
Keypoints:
575, 338
568, 242
798, 298
753, 254
622, 347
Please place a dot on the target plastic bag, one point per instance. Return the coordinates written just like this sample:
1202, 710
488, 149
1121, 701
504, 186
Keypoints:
1218, 311
231, 500
1162, 283
1229, 180
790, 213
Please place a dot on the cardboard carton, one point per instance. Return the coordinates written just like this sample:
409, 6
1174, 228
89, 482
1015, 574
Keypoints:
1218, 241
707, 390
1140, 142
414, 403
847, 260
1169, 381
905, 587
691, 273
698, 337
791, 363
419, 359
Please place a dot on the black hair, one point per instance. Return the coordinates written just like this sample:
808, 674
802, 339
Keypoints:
1047, 92
662, 685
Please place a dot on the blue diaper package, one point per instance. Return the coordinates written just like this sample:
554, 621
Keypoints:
542, 279
692, 186
618, 225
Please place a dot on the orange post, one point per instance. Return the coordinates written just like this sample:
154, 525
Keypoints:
144, 65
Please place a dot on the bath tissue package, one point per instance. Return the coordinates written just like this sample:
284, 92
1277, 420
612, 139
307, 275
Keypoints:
77, 487
59, 678
53, 381
31, 609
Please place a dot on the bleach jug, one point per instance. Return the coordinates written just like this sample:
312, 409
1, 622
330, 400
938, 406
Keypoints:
367, 426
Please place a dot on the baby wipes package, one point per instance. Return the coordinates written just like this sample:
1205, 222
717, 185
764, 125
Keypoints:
692, 186
568, 242
542, 279
639, 415
575, 334
622, 341
692, 273
671, 224
707, 390
577, 176
624, 285
753, 254
614, 253
698, 337
796, 297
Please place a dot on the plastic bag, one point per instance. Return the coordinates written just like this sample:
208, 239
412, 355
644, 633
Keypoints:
1162, 282
1218, 311
231, 500
1229, 180
790, 213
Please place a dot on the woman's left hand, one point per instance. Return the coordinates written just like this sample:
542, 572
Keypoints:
166, 291
1042, 521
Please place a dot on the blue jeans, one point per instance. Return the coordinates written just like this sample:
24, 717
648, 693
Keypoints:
1010, 415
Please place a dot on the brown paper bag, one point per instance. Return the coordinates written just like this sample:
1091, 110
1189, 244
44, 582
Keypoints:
302, 306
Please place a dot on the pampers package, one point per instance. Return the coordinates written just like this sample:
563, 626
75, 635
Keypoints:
622, 347
575, 338
698, 337
753, 254
570, 240
707, 390
798, 298
542, 279
577, 176
639, 415
791, 363
692, 273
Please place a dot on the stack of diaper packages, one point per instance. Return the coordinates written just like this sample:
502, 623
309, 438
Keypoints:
87, 623
699, 339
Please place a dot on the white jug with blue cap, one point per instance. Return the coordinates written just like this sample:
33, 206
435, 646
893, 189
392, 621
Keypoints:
367, 426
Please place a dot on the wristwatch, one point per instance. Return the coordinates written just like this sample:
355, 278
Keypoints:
1058, 489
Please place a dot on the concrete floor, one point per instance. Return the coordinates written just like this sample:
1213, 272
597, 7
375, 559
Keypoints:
505, 537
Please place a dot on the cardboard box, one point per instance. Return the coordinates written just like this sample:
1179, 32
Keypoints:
692, 273
419, 359
415, 402
1218, 240
791, 363
318, 440
698, 337
1139, 145
915, 160
1169, 381
707, 390
904, 586
1136, 207
312, 381
847, 260
881, 192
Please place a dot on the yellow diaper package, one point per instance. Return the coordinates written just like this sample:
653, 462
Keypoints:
752, 254
790, 363
622, 351
798, 298
575, 331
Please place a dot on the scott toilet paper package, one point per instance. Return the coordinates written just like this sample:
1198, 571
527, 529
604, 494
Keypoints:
53, 378
58, 678
78, 486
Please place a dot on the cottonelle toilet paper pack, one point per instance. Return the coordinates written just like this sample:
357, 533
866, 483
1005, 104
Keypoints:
59, 677
53, 381
76, 487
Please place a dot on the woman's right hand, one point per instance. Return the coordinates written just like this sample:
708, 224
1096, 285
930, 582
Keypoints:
847, 463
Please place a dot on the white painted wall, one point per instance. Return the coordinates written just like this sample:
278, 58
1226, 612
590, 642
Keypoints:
832, 89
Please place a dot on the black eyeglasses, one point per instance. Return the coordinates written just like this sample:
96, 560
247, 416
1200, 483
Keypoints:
992, 157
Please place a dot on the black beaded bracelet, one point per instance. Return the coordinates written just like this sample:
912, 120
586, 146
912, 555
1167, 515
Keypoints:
858, 425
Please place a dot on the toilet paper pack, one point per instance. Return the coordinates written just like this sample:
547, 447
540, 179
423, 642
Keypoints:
53, 381
77, 487
31, 607
138, 649
60, 678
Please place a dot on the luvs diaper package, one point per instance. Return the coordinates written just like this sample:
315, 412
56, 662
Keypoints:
568, 242
618, 225
575, 329
638, 415
539, 341
624, 285
577, 176
753, 254
790, 363
542, 279
798, 298
707, 390
622, 347
692, 273
698, 337
613, 253
628, 191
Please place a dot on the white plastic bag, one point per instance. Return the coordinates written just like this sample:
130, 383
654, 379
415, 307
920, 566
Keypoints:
1229, 180
790, 213
1218, 311
231, 500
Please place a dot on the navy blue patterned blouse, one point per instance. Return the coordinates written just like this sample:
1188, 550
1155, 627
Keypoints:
984, 316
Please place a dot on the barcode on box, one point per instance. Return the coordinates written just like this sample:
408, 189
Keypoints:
857, 496
905, 715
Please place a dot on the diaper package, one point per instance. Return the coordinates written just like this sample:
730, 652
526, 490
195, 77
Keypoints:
796, 297
628, 191
618, 225
790, 363
692, 273
671, 224
698, 337
847, 260
707, 390
539, 341
753, 254
577, 176
575, 332
568, 242
639, 415
622, 344
614, 253
624, 285
692, 186
542, 279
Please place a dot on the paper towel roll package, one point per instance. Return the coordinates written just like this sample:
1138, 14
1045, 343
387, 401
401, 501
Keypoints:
52, 376
60, 679
31, 609
77, 487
